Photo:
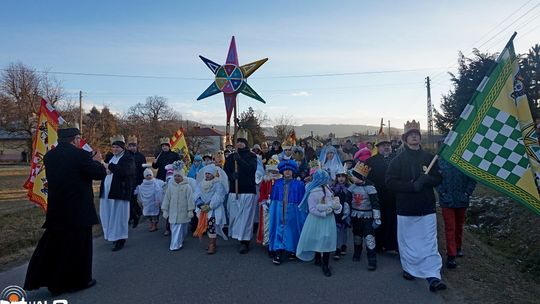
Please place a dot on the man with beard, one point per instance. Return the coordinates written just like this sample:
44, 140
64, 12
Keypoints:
240, 167
386, 234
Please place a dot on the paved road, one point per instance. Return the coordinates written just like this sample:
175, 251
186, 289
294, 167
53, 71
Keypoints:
146, 271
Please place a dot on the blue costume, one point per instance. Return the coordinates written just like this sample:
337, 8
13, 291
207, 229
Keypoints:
286, 219
196, 166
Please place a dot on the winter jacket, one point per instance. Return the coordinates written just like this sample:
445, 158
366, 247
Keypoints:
247, 166
123, 180
178, 202
139, 159
456, 187
163, 159
403, 171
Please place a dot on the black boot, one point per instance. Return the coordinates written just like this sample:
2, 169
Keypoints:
244, 247
451, 262
325, 267
337, 254
372, 259
317, 259
277, 257
357, 253
118, 245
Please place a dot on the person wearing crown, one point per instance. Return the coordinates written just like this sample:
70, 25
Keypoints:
330, 160
135, 211
241, 167
287, 150
164, 157
318, 236
265, 188
115, 193
213, 187
365, 214
340, 189
386, 234
286, 220
178, 206
413, 183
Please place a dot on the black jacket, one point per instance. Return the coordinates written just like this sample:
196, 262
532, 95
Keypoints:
123, 178
247, 165
69, 173
403, 170
163, 159
377, 175
139, 159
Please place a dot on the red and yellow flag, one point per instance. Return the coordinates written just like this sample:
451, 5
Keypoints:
178, 143
45, 139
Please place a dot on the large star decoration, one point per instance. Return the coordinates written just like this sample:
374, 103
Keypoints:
231, 79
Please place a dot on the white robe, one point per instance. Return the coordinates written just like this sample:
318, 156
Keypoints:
114, 214
241, 215
178, 234
150, 194
418, 250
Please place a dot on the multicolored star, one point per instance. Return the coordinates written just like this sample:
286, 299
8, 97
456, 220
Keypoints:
231, 79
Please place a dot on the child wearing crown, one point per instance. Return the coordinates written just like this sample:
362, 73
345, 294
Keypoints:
340, 189
178, 206
365, 214
265, 189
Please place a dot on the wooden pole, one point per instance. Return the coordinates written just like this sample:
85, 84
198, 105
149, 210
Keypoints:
80, 112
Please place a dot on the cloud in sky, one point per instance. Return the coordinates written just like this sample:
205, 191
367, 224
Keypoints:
301, 93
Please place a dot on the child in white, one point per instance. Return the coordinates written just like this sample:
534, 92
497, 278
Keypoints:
178, 207
150, 194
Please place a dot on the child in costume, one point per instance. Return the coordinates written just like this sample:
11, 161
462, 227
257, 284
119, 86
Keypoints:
330, 161
318, 235
178, 206
149, 195
365, 214
212, 188
286, 220
272, 174
340, 189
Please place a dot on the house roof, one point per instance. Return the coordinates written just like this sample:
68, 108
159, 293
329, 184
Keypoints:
13, 135
198, 131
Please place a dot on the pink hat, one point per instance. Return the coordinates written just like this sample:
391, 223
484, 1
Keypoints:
362, 154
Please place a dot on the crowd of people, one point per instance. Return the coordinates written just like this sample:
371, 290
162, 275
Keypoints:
295, 201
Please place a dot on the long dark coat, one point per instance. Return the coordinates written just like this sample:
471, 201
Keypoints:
247, 165
62, 260
123, 178
163, 159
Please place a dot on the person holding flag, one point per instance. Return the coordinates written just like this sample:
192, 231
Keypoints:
62, 260
163, 158
408, 176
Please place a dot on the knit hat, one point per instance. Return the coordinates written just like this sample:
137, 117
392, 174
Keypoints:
287, 164
363, 154
148, 172
178, 167
197, 157
242, 140
212, 169
272, 163
68, 132
118, 140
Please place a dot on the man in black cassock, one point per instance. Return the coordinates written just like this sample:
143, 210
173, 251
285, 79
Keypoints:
386, 234
62, 260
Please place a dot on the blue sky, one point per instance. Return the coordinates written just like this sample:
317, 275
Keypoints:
299, 38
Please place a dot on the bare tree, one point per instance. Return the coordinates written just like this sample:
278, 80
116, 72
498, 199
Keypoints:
284, 127
21, 88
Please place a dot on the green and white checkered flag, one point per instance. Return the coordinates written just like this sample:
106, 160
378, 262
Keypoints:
494, 140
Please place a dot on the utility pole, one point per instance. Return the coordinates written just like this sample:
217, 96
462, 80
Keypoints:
389, 135
80, 112
429, 112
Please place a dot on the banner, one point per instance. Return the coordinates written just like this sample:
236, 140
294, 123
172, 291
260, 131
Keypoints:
45, 139
494, 140
179, 145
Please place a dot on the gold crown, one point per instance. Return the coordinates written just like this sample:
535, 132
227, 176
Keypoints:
117, 137
273, 161
362, 169
242, 133
411, 125
164, 140
132, 139
289, 142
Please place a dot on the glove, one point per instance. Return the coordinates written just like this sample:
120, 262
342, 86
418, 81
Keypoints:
205, 208
329, 211
190, 214
376, 223
165, 214
336, 206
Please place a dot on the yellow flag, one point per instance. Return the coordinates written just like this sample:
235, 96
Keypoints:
178, 143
